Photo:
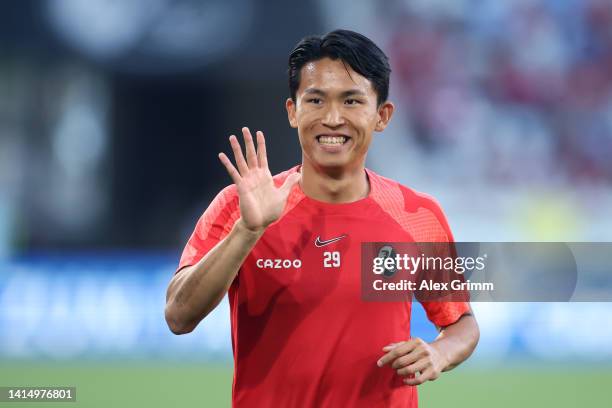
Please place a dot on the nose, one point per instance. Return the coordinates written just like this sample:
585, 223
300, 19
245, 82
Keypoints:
333, 117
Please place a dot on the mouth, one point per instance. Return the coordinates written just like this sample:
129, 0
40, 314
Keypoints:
332, 140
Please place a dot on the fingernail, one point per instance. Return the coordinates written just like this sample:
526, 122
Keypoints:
379, 363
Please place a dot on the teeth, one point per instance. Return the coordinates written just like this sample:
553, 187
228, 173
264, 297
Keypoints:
332, 140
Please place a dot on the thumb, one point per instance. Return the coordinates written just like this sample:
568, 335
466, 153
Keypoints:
290, 182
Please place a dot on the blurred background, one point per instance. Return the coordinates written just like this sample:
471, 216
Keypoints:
111, 117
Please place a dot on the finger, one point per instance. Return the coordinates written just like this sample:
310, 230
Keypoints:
230, 168
407, 359
419, 379
250, 148
391, 346
240, 162
398, 351
262, 156
419, 366
290, 182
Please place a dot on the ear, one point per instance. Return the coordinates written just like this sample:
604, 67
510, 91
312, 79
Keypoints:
385, 111
290, 105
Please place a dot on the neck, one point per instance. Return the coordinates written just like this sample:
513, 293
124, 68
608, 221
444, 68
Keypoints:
334, 185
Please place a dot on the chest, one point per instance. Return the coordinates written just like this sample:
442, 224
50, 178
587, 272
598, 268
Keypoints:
310, 260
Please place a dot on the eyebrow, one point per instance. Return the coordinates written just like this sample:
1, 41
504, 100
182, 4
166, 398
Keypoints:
350, 92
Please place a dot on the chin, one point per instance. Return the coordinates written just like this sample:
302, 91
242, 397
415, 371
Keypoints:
333, 164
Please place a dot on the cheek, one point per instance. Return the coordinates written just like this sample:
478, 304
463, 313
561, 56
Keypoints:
365, 143
307, 117
301, 116
306, 142
366, 121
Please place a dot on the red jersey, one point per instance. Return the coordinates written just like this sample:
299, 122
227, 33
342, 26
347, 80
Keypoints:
301, 334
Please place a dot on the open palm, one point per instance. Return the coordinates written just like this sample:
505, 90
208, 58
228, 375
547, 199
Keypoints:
261, 202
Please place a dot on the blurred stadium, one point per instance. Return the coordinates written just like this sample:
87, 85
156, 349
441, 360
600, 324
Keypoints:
111, 115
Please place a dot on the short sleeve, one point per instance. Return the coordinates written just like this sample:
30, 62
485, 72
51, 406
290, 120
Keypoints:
445, 313
439, 312
216, 222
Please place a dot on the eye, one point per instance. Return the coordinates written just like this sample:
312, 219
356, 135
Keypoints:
352, 101
316, 101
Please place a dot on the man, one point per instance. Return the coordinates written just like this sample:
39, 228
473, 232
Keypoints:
286, 249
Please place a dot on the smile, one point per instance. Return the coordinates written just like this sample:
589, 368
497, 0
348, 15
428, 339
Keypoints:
332, 140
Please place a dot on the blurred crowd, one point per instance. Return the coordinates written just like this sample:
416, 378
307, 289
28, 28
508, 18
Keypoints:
521, 88
504, 112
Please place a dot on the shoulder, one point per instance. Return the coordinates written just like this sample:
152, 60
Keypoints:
418, 211
227, 198
411, 199
222, 211
280, 178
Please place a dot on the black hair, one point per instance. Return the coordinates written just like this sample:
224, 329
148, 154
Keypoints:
354, 49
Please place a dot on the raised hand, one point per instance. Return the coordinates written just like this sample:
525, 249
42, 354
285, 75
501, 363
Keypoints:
261, 202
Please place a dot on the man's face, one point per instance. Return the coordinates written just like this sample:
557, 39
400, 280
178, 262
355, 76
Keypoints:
335, 113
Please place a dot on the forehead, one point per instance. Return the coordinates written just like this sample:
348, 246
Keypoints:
332, 76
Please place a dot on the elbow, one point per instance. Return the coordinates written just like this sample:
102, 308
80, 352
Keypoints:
175, 323
476, 331
474, 334
178, 328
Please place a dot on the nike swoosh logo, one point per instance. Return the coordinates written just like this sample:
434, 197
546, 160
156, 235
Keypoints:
319, 243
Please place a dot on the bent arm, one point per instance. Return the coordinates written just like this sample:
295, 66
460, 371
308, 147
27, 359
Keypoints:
457, 341
196, 290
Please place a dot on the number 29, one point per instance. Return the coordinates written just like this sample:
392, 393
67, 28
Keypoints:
331, 259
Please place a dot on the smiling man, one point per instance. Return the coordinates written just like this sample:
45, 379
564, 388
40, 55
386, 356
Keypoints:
287, 250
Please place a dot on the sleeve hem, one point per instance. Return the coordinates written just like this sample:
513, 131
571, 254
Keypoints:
448, 318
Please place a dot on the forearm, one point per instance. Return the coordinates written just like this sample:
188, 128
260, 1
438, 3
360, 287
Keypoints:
457, 341
197, 290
